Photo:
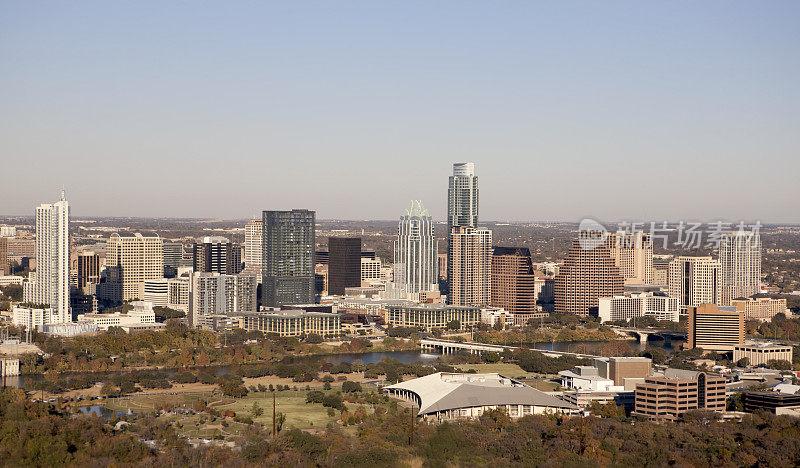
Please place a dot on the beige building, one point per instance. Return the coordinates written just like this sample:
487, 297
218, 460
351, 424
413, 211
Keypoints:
758, 354
695, 281
430, 316
740, 263
470, 266
633, 254
626, 307
668, 397
714, 328
132, 259
370, 271
587, 275
761, 308
293, 323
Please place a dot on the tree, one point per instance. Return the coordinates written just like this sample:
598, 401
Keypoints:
256, 410
350, 386
743, 362
453, 325
313, 338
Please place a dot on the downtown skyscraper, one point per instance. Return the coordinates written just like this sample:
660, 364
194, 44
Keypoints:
740, 265
415, 253
51, 279
469, 248
288, 257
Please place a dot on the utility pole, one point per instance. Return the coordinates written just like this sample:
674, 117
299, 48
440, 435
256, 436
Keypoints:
274, 414
413, 417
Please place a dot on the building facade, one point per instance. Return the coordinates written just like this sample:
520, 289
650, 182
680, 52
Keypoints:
761, 308
5, 265
586, 276
344, 264
695, 281
288, 257
141, 314
253, 245
714, 328
216, 294
513, 281
415, 252
740, 265
760, 353
627, 307
670, 396
88, 268
470, 266
132, 259
633, 254
214, 254
430, 316
50, 285
293, 323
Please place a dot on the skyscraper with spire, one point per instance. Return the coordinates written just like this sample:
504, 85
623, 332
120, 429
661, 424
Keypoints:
415, 252
50, 283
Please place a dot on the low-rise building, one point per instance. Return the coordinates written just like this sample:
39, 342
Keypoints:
494, 315
446, 396
33, 318
141, 314
9, 366
431, 316
667, 397
773, 402
293, 323
759, 353
8, 280
587, 378
761, 308
644, 304
70, 329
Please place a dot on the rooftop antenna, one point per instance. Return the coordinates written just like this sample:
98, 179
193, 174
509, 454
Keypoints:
62, 193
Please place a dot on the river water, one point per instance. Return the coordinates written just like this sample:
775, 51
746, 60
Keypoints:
583, 347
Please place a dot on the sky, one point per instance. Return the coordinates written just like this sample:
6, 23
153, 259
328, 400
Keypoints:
637, 110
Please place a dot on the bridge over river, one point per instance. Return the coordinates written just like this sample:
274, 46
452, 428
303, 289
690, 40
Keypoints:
451, 347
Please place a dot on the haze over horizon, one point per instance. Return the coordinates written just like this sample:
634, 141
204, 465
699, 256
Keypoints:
621, 111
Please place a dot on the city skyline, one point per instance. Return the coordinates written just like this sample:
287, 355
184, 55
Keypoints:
654, 95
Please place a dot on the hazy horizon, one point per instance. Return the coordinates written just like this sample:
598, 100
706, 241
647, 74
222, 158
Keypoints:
612, 111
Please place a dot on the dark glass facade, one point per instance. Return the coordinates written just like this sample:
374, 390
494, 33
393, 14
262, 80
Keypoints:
288, 257
344, 264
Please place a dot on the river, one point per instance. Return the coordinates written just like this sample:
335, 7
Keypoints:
583, 347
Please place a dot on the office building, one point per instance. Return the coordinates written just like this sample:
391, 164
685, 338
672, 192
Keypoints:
173, 255
470, 266
462, 211
660, 271
156, 292
513, 280
141, 314
19, 247
633, 254
775, 402
88, 270
50, 283
132, 259
288, 257
630, 306
497, 317
178, 293
669, 396
293, 323
415, 253
370, 271
430, 316
5, 265
35, 318
253, 245
586, 276
8, 231
740, 265
544, 288
761, 308
344, 264
759, 354
447, 396
714, 328
214, 254
695, 281
217, 294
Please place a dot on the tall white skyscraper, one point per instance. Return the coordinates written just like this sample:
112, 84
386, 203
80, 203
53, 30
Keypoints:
253, 243
415, 252
740, 261
462, 196
51, 279
695, 281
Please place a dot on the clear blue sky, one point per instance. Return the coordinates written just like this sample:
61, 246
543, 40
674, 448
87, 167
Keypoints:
615, 110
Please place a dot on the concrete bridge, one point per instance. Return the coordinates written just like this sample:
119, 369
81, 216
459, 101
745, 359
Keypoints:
644, 334
452, 347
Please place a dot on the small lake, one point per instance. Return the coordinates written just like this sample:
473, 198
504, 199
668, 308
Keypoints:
102, 411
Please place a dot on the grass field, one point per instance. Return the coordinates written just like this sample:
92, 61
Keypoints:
299, 414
